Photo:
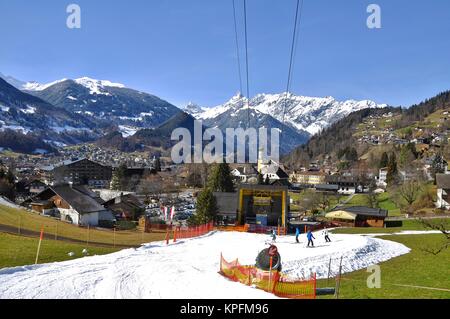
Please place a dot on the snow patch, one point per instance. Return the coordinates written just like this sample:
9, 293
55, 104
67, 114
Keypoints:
29, 110
97, 87
189, 268
6, 202
127, 131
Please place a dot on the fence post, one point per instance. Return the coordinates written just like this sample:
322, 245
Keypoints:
39, 245
87, 239
315, 286
175, 235
20, 221
329, 272
338, 284
167, 236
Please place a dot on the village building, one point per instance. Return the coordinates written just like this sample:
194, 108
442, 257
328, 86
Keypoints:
245, 174
443, 191
382, 177
311, 177
30, 187
273, 172
347, 185
227, 207
75, 204
255, 205
126, 207
270, 169
358, 216
80, 172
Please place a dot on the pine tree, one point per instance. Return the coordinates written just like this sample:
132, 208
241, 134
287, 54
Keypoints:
206, 208
392, 170
220, 179
438, 166
115, 182
118, 178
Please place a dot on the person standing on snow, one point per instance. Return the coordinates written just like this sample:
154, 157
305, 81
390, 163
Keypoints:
297, 233
325, 233
274, 235
310, 238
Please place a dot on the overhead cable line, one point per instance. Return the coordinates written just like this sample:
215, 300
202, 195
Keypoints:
298, 16
246, 63
237, 47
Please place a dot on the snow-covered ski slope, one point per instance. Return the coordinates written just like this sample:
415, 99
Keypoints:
189, 268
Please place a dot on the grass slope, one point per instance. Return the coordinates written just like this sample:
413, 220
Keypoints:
20, 251
34, 222
401, 276
409, 224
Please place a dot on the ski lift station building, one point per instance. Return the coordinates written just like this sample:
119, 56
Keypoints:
263, 205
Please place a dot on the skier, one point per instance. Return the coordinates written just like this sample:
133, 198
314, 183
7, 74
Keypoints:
297, 233
325, 233
274, 236
310, 238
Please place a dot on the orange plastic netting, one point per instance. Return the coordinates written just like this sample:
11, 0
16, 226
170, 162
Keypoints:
273, 282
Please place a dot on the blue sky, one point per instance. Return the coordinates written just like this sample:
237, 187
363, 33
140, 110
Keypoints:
184, 50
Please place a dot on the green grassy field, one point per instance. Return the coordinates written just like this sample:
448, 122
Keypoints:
301, 196
402, 276
384, 202
409, 224
31, 221
21, 251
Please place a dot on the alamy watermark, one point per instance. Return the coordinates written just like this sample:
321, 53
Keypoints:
374, 280
235, 145
374, 19
74, 19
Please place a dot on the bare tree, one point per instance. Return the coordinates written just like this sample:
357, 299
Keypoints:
409, 192
440, 226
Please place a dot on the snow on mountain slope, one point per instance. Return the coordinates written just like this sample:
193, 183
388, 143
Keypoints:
238, 113
107, 101
311, 114
35, 86
94, 86
189, 268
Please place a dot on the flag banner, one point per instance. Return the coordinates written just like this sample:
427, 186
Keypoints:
172, 213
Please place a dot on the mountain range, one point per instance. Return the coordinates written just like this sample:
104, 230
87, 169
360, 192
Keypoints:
88, 109
25, 113
305, 114
105, 101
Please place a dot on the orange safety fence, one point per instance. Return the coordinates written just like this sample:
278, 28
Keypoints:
247, 228
193, 231
273, 282
241, 229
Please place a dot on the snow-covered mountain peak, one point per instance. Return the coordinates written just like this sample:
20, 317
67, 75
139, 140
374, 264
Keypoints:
97, 86
35, 86
89, 82
94, 86
192, 108
304, 113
